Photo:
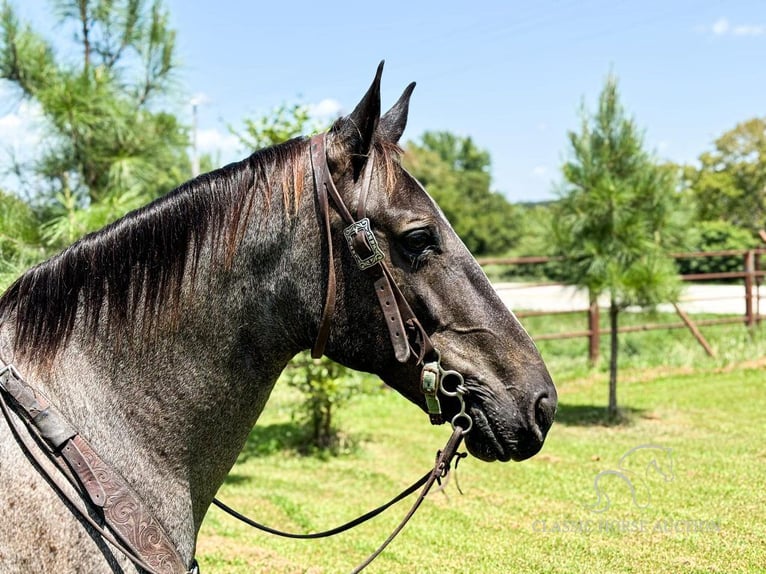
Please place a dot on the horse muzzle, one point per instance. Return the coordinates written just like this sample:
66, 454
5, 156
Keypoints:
507, 427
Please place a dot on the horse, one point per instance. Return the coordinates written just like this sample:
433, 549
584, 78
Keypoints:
157, 340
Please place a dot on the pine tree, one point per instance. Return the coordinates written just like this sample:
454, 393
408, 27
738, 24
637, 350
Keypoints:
110, 144
618, 217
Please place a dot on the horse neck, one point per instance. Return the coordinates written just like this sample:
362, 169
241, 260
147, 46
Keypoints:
172, 412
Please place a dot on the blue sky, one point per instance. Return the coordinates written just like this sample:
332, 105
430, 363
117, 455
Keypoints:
512, 75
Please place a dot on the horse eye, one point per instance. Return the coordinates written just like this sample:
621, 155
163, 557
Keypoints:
418, 241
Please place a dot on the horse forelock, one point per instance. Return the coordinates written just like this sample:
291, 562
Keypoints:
391, 156
135, 268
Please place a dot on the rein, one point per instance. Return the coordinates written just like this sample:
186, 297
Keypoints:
106, 501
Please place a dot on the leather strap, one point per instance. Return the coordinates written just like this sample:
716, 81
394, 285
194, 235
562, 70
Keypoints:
137, 533
439, 471
332, 531
73, 454
408, 337
319, 168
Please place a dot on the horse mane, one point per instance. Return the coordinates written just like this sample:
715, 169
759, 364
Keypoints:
131, 269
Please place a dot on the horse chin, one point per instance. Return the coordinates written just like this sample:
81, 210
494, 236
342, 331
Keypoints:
487, 443
483, 443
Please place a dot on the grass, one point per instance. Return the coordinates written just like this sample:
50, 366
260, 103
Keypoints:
534, 516
652, 352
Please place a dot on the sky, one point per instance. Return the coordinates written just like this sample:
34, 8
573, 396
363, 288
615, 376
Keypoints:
512, 75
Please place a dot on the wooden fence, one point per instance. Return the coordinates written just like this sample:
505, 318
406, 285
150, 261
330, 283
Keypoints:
750, 276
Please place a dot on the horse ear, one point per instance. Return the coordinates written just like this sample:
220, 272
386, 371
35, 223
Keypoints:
354, 133
394, 121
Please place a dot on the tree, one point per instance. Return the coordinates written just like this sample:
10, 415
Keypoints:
617, 218
110, 145
19, 238
717, 235
730, 183
326, 386
285, 122
457, 174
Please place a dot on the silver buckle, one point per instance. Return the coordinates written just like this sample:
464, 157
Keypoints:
364, 226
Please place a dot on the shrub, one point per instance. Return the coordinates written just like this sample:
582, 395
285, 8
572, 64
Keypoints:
717, 236
325, 386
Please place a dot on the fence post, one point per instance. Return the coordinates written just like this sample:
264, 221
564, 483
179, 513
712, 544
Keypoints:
757, 269
749, 276
594, 335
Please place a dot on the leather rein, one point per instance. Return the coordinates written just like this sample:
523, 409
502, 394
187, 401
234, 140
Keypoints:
107, 502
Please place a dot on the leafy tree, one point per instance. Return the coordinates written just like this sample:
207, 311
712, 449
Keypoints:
110, 145
456, 173
617, 218
19, 238
285, 122
326, 387
716, 236
730, 183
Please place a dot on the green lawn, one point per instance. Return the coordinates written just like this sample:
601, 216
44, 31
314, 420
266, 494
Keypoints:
527, 517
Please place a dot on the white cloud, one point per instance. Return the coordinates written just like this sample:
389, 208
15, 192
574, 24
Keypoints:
722, 27
540, 171
749, 30
200, 99
214, 140
327, 109
21, 129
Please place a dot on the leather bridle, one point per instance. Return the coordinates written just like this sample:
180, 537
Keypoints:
407, 335
409, 339
124, 518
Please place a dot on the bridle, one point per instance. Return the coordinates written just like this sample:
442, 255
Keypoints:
123, 518
399, 318
408, 337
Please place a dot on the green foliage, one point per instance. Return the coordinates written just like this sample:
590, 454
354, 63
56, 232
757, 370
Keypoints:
326, 386
283, 123
109, 144
19, 238
619, 213
717, 236
730, 183
456, 173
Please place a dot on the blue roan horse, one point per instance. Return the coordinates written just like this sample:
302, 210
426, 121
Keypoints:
154, 343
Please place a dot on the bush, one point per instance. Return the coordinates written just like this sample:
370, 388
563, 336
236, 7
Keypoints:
325, 386
717, 236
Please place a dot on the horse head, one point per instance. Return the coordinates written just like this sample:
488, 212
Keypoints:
509, 396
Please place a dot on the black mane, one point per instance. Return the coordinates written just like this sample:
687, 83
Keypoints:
132, 268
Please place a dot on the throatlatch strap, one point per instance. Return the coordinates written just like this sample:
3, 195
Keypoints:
319, 167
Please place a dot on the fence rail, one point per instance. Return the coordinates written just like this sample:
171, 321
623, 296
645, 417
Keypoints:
750, 277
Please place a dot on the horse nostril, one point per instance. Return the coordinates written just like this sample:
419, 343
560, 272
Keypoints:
544, 411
